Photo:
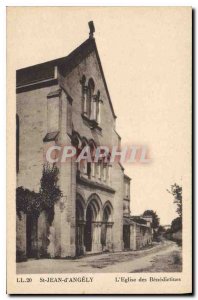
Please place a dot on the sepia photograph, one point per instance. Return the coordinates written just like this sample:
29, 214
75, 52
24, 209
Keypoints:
101, 125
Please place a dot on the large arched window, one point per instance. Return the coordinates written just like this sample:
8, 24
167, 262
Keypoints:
17, 143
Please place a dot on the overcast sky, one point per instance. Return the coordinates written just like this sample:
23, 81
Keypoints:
145, 54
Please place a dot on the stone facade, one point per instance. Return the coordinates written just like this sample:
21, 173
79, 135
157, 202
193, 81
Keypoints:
66, 102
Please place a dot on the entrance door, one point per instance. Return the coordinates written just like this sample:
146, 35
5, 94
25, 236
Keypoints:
88, 229
104, 236
106, 215
31, 236
126, 236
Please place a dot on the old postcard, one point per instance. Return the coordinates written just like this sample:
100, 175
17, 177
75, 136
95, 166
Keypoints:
99, 109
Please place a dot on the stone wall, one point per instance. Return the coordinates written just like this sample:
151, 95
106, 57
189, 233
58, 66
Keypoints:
21, 237
140, 236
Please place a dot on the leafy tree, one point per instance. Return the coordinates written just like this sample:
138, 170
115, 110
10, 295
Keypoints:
161, 229
27, 202
176, 224
176, 191
155, 218
49, 192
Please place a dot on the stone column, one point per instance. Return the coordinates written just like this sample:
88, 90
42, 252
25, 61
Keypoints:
93, 170
80, 248
133, 245
96, 239
109, 167
109, 245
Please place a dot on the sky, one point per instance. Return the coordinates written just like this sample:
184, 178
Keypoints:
145, 54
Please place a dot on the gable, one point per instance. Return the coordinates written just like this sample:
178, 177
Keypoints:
45, 74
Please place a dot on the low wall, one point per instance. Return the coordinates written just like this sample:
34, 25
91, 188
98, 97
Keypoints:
140, 236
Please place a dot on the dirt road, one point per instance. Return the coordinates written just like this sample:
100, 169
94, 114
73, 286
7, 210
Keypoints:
162, 257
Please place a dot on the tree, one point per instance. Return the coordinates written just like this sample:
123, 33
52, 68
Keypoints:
49, 192
155, 218
176, 224
176, 191
161, 229
27, 202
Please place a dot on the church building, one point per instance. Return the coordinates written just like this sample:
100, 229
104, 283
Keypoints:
66, 102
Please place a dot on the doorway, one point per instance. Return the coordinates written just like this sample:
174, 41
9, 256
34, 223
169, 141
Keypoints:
126, 237
88, 229
31, 236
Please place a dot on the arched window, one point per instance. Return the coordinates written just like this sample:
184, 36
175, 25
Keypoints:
83, 80
17, 143
92, 146
84, 95
98, 107
76, 140
90, 99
